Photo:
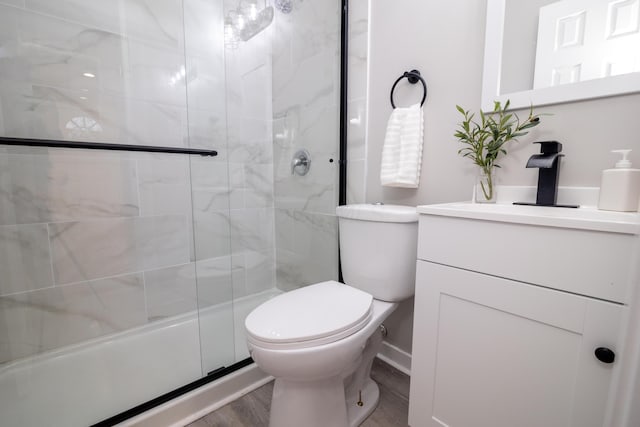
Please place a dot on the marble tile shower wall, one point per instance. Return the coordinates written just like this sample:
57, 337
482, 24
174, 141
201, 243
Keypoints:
306, 90
249, 127
111, 71
357, 100
95, 243
89, 246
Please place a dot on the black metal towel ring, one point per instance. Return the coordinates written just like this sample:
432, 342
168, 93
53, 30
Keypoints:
413, 76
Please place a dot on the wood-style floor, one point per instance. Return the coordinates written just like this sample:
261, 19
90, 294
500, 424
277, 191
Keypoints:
252, 410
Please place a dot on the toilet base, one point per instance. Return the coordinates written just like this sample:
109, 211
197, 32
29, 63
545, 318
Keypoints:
370, 397
321, 404
310, 404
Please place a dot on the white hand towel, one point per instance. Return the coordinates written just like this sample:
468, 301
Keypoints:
402, 150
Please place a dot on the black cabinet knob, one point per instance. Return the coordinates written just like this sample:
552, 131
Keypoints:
605, 355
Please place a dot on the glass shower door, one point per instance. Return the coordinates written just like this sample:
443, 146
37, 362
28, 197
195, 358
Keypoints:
126, 275
282, 67
102, 269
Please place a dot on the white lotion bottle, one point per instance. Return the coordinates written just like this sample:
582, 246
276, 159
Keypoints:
620, 187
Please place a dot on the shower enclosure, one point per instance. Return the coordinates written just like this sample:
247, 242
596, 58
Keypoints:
125, 275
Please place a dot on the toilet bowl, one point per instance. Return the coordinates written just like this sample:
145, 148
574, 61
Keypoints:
319, 341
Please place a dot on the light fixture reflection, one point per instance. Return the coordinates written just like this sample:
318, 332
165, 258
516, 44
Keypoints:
262, 21
245, 22
182, 76
82, 127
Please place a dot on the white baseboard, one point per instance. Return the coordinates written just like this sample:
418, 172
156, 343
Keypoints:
203, 400
399, 359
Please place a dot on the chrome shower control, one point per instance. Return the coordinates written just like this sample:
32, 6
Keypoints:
301, 162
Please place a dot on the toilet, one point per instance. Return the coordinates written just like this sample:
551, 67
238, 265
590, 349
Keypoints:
319, 341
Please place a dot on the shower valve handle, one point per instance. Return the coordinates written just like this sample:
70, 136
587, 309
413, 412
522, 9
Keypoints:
301, 162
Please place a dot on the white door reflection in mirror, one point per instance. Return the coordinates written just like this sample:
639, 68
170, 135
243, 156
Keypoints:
582, 40
542, 52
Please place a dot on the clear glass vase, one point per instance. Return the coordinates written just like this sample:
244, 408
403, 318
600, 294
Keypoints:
485, 186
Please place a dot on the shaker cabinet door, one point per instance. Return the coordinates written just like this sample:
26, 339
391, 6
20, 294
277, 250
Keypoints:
492, 352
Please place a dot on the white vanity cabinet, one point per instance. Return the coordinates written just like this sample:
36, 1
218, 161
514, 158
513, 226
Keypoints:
509, 311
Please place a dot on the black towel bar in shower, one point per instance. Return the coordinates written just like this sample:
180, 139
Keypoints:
413, 76
103, 146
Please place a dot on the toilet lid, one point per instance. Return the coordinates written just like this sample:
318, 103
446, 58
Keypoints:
322, 313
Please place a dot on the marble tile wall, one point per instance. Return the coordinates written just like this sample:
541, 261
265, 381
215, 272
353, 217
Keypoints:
250, 156
93, 243
357, 100
94, 70
307, 248
49, 318
306, 89
142, 62
165, 234
205, 74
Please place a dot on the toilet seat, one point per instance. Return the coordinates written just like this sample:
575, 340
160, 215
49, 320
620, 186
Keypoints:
310, 316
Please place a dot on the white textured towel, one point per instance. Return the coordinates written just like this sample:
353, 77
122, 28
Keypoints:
402, 150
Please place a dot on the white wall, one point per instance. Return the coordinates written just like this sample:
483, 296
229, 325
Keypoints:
445, 41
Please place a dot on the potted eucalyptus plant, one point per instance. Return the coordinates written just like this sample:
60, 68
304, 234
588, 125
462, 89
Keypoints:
485, 141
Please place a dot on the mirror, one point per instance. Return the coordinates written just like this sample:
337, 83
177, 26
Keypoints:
543, 52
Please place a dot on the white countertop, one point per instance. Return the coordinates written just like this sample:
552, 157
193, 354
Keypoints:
584, 218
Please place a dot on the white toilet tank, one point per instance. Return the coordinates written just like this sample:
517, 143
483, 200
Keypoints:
378, 249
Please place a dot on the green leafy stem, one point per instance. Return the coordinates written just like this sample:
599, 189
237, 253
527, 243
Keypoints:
485, 140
